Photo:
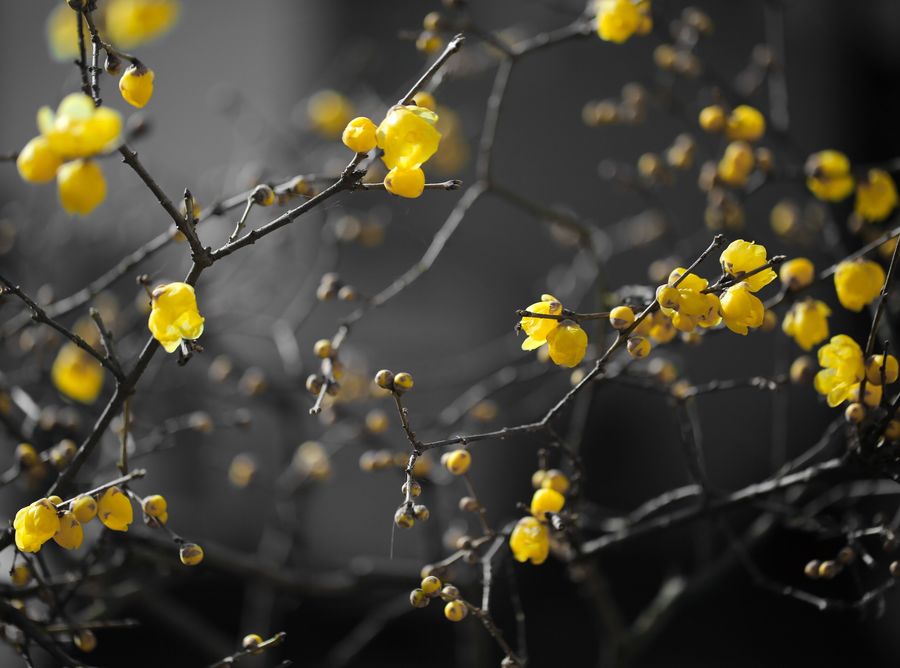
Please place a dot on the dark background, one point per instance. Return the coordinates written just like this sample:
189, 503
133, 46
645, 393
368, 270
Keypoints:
232, 79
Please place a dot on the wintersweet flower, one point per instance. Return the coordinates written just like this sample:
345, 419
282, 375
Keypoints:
114, 509
858, 282
687, 305
842, 365
618, 20
742, 257
736, 164
876, 197
828, 175
546, 500
136, 85
797, 274
359, 135
76, 374
37, 162
130, 23
567, 343
329, 112
70, 534
78, 129
537, 329
407, 136
745, 122
741, 309
81, 186
530, 541
174, 315
35, 525
807, 323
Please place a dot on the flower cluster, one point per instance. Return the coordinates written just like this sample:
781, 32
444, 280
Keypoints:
618, 20
843, 369
62, 521
565, 339
174, 316
807, 323
407, 137
829, 177
431, 587
530, 539
69, 138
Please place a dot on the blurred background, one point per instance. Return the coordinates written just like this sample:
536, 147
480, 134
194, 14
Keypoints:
308, 547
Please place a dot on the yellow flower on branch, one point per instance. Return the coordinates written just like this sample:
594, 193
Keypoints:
876, 197
114, 509
807, 323
828, 175
70, 534
742, 257
35, 525
842, 365
567, 343
78, 129
530, 541
618, 20
77, 374
174, 315
858, 282
741, 309
537, 329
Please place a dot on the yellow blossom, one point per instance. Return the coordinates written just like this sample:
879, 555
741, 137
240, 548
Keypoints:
407, 136
842, 365
807, 323
797, 274
136, 85
742, 257
877, 365
85, 508
567, 344
359, 135
876, 197
37, 162
546, 500
530, 541
329, 112
687, 305
62, 32
35, 525
130, 23
403, 182
736, 164
537, 329
174, 315
70, 534
114, 509
745, 123
618, 20
78, 129
741, 309
828, 175
858, 282
81, 186
77, 374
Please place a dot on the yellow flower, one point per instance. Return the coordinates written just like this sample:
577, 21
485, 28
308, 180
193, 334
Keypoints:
115, 509
712, 118
359, 135
745, 123
742, 257
662, 329
546, 500
807, 323
37, 161
81, 186
530, 541
876, 197
828, 175
76, 374
567, 343
741, 309
842, 365
618, 20
35, 525
858, 282
425, 99
174, 315
78, 129
62, 32
407, 136
736, 164
405, 182
537, 329
797, 274
130, 23
877, 365
457, 462
329, 112
85, 508
687, 305
157, 507
190, 554
136, 85
70, 534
